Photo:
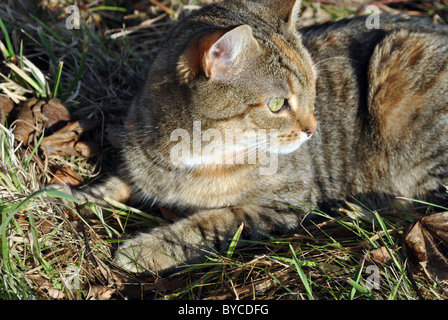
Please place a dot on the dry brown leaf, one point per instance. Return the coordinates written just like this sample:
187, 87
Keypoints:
39, 280
85, 125
437, 224
54, 111
44, 226
63, 141
25, 122
380, 255
39, 119
66, 176
100, 293
428, 241
57, 146
6, 104
87, 148
56, 293
36, 115
44, 284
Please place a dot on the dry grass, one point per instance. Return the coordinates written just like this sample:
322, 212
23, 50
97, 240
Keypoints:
52, 251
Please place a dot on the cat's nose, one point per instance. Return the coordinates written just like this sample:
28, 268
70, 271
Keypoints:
310, 130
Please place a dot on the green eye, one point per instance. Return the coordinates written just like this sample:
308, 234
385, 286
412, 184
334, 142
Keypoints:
276, 104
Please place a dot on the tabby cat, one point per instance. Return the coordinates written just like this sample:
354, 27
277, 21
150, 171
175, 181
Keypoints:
338, 111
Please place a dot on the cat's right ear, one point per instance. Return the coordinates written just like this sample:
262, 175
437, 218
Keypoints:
287, 10
220, 55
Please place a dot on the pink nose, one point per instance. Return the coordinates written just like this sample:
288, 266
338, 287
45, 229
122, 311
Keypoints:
310, 130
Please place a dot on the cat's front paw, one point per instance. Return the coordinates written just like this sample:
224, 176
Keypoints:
146, 253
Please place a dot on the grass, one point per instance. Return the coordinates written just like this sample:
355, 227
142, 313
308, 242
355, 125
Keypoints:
51, 251
304, 267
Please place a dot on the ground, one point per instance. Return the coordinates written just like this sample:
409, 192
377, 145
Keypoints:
64, 88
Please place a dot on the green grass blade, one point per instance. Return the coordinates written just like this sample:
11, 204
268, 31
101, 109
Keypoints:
49, 30
4, 50
302, 263
21, 54
5, 263
107, 8
10, 50
393, 294
424, 202
234, 242
37, 74
82, 65
44, 192
32, 225
384, 228
361, 289
128, 209
27, 78
99, 213
356, 280
210, 274
302, 274
390, 241
27, 162
7, 181
48, 48
7, 267
48, 268
283, 285
58, 79
15, 180
56, 194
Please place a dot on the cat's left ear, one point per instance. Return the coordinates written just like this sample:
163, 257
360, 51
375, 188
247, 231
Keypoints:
287, 10
221, 55
228, 56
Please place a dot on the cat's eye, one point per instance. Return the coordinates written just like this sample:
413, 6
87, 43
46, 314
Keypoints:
276, 104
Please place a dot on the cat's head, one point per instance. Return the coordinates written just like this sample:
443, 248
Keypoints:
235, 65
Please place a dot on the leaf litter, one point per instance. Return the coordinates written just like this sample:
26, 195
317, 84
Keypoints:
38, 117
428, 241
44, 128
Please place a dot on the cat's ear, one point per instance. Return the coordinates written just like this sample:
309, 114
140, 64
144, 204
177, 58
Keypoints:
287, 10
220, 55
230, 53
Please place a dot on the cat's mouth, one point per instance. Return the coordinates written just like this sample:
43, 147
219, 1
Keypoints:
292, 142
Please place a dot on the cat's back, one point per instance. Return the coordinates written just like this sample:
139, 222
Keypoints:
356, 38
381, 105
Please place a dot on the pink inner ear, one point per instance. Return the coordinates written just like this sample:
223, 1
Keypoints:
216, 52
219, 58
220, 55
226, 56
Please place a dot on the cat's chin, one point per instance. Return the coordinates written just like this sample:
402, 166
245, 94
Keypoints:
291, 147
